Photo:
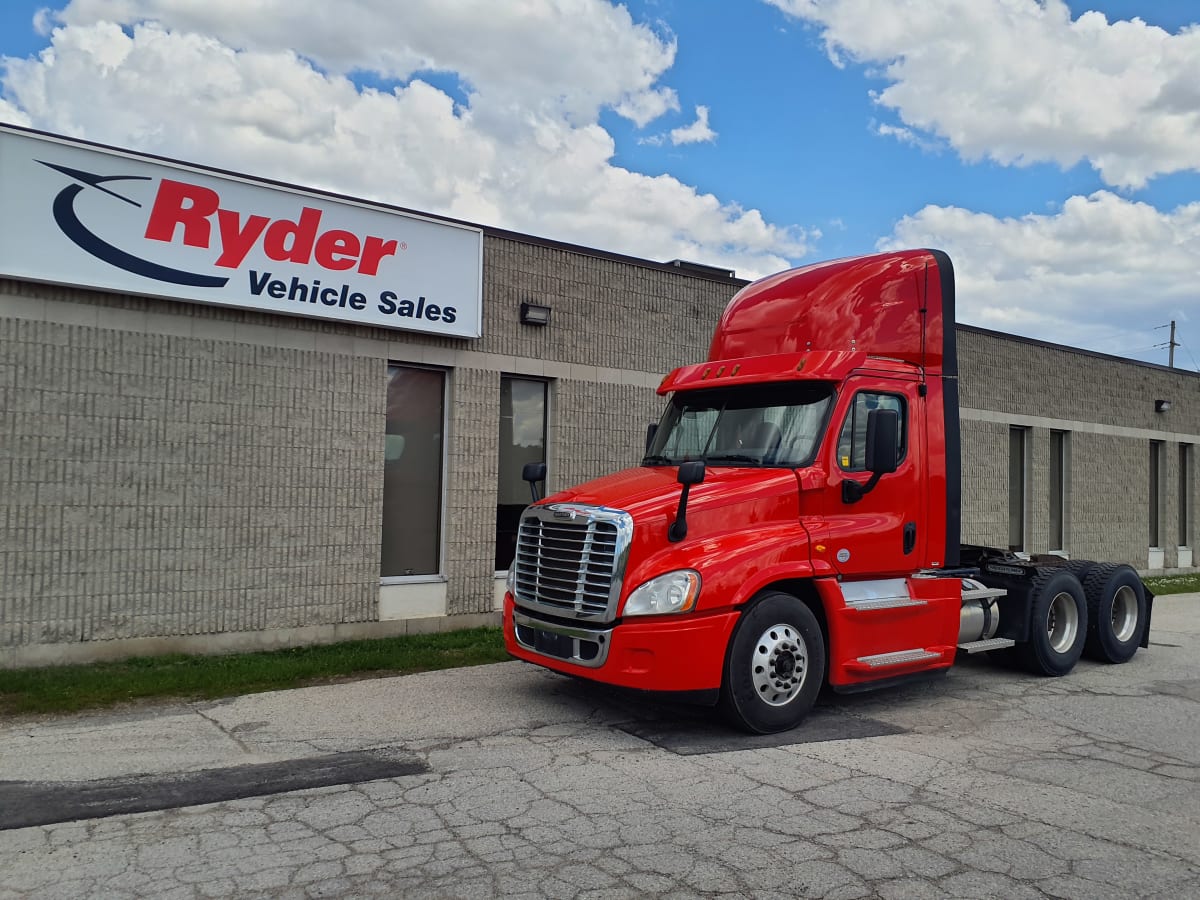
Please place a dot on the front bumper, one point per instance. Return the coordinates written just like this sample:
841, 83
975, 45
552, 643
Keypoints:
680, 652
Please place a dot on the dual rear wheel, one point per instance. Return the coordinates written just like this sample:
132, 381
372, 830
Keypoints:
1093, 609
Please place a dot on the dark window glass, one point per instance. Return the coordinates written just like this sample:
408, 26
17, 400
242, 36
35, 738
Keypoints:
522, 440
852, 443
1058, 489
412, 474
1016, 488
1155, 493
1185, 495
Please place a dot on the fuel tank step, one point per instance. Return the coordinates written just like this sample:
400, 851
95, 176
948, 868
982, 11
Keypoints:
983, 593
990, 644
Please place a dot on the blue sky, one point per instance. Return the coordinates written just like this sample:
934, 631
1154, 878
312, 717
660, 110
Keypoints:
1052, 148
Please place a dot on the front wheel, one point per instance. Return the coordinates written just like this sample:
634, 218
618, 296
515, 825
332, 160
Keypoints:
774, 666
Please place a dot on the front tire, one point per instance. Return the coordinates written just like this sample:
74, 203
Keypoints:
1116, 601
774, 666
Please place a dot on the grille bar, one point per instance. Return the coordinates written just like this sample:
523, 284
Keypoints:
571, 568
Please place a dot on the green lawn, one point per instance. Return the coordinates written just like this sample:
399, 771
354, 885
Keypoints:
1173, 584
69, 688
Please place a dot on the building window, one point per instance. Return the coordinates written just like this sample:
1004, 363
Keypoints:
1018, 450
1058, 490
1185, 495
412, 474
1156, 460
522, 440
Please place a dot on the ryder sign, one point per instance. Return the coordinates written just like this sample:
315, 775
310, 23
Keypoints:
102, 219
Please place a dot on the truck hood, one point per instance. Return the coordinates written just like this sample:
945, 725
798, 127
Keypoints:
744, 525
728, 497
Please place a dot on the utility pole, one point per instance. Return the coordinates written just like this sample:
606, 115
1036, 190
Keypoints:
1171, 344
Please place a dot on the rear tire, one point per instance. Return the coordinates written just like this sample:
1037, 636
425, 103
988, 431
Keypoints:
1116, 601
774, 666
1058, 617
1080, 568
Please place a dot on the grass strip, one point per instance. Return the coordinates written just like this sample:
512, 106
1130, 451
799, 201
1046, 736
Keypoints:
97, 685
1173, 584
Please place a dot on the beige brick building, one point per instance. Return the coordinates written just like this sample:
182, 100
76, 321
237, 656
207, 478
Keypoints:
178, 475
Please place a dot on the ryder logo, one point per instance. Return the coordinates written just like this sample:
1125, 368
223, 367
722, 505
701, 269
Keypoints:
192, 214
87, 240
193, 208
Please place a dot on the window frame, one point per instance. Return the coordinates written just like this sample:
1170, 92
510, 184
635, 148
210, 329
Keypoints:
440, 575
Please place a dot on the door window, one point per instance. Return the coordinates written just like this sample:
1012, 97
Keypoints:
852, 444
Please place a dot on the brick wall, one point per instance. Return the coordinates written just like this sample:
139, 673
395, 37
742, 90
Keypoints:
176, 469
158, 484
1107, 407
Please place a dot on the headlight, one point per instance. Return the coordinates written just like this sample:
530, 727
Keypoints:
510, 583
673, 592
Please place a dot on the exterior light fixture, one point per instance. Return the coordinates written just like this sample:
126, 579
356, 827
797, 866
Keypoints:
1162, 405
533, 314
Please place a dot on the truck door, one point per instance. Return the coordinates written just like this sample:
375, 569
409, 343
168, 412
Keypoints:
882, 533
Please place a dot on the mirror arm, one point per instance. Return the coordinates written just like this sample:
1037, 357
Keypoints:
852, 491
678, 530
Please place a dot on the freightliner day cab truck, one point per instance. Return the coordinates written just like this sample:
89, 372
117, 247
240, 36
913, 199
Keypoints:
795, 521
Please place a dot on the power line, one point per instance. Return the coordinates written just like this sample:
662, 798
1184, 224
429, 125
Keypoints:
1189, 353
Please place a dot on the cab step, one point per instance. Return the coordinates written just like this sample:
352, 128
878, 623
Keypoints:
897, 658
885, 603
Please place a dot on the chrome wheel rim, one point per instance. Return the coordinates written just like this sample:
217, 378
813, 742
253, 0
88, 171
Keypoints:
779, 665
1124, 614
1062, 624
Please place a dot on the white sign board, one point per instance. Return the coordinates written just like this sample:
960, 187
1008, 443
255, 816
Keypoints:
75, 215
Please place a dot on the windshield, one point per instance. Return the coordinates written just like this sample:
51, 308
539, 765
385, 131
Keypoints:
774, 425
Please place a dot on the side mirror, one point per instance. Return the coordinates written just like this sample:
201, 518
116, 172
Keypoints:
882, 453
689, 473
533, 473
883, 441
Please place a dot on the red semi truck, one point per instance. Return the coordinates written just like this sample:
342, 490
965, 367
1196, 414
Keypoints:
795, 521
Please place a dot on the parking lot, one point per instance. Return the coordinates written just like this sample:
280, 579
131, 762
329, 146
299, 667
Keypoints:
511, 781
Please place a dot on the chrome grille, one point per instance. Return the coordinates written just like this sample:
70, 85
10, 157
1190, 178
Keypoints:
570, 560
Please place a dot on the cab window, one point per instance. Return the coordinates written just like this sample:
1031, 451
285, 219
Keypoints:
852, 444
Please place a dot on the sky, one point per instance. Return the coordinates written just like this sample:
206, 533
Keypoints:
1051, 148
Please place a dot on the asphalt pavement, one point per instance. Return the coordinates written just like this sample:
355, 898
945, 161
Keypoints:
507, 780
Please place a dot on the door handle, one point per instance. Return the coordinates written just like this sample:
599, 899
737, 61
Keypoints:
910, 537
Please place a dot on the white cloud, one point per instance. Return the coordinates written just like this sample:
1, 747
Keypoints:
698, 132
1101, 272
567, 57
263, 88
1020, 81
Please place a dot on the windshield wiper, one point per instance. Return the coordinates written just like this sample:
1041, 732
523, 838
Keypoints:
657, 459
731, 457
